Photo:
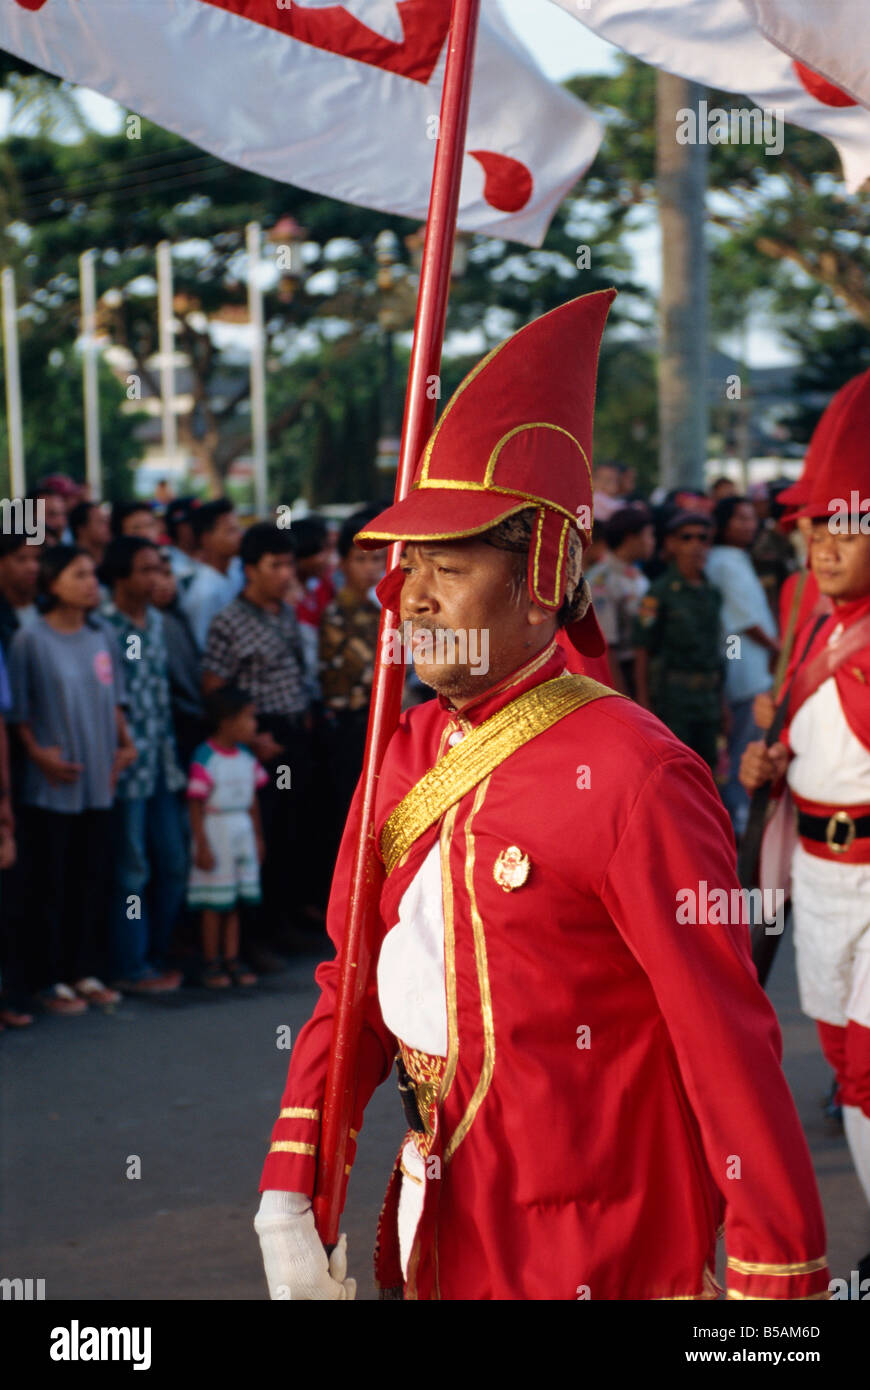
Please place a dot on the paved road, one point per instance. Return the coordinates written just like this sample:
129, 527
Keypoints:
191, 1086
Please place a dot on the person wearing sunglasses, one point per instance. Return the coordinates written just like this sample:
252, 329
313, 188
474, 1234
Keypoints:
677, 649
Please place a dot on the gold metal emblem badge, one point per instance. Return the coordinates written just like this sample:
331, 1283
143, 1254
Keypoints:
511, 868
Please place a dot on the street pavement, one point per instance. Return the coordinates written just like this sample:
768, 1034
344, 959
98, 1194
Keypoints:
191, 1087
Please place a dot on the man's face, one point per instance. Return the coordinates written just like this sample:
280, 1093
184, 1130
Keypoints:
607, 480
272, 576
841, 563
166, 585
644, 544
143, 524
315, 566
144, 576
470, 588
363, 568
97, 532
225, 537
18, 573
689, 548
743, 526
55, 514
184, 538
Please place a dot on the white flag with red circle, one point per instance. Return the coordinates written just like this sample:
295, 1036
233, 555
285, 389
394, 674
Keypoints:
831, 37
338, 98
716, 42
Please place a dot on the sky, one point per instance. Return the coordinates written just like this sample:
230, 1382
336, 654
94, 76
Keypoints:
562, 46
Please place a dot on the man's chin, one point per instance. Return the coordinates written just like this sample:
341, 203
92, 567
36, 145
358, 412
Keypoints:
829, 587
453, 682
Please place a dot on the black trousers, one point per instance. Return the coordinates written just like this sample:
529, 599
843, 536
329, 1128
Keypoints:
345, 744
286, 817
68, 865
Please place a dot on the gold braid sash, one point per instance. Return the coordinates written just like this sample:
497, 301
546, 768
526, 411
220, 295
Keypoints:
464, 766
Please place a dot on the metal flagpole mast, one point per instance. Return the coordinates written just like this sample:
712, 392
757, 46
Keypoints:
258, 369
13, 385
388, 678
166, 348
90, 361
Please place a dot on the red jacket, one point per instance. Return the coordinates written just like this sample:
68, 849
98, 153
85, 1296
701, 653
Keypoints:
571, 1170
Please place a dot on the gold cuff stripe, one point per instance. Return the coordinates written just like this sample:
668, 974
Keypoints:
470, 762
756, 1298
807, 1267
354, 1134
298, 1112
292, 1146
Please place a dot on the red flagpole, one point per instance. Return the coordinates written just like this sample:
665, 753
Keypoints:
388, 677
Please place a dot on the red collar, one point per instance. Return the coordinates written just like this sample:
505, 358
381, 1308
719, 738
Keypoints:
542, 667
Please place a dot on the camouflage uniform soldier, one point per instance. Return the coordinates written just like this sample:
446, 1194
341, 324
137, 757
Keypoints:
347, 650
678, 631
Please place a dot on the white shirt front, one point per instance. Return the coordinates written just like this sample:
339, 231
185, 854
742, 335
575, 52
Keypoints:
830, 765
411, 986
413, 999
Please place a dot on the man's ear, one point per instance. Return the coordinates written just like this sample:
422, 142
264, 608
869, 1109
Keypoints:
537, 616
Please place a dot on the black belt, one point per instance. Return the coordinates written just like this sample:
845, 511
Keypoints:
837, 831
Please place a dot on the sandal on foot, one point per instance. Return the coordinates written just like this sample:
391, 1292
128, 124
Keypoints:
14, 1018
62, 1000
95, 992
214, 976
239, 973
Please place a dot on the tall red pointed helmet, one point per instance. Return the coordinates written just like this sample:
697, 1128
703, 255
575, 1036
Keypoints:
838, 457
516, 434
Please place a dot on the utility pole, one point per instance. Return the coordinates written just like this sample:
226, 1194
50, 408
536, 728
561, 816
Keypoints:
681, 179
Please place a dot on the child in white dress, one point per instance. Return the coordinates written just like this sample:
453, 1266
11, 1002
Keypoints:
227, 836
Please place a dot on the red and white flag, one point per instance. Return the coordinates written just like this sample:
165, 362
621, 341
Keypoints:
829, 36
342, 99
717, 43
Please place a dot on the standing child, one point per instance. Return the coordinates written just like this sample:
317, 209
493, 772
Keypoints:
227, 838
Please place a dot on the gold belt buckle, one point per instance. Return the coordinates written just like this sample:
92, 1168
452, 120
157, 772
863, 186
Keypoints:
839, 818
426, 1093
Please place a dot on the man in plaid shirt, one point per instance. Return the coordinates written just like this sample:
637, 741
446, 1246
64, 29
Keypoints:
254, 643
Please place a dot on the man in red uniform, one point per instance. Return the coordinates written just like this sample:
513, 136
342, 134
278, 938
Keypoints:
591, 1071
823, 754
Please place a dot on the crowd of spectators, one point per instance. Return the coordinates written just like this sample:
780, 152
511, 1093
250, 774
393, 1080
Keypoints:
183, 704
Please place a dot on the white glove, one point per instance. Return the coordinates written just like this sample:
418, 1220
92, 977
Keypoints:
293, 1254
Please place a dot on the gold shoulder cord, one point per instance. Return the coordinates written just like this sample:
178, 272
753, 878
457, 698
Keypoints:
466, 765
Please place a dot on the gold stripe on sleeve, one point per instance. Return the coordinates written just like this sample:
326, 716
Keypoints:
756, 1298
807, 1267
